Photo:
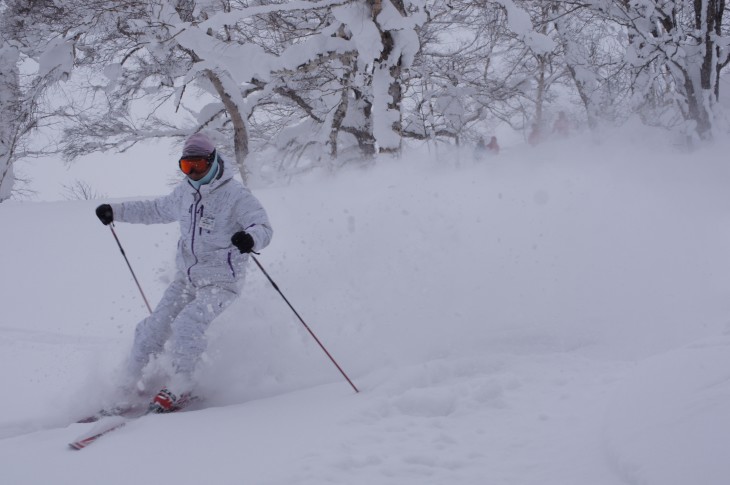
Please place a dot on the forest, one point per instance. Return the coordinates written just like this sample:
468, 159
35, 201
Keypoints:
328, 83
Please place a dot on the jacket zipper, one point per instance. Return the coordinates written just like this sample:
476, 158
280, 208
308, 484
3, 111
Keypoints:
198, 198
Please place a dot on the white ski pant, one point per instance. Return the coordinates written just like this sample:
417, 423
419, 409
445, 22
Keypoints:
180, 321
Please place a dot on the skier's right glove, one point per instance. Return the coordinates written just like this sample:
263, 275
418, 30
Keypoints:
105, 214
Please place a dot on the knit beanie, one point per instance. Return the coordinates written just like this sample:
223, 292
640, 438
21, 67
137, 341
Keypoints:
198, 145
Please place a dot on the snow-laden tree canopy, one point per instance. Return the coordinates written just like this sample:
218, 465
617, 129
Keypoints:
332, 81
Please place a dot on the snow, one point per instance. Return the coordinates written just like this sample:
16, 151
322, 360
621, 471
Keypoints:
552, 315
57, 58
365, 34
519, 22
220, 20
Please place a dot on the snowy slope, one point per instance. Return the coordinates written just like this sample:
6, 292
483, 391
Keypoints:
550, 316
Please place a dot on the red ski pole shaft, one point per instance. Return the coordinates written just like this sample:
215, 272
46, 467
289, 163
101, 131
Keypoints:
304, 323
130, 268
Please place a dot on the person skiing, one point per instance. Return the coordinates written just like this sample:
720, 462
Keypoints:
561, 127
535, 136
220, 223
493, 146
482, 148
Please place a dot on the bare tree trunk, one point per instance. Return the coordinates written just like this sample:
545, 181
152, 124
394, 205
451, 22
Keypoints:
709, 78
584, 97
665, 28
700, 97
721, 61
393, 67
540, 95
240, 133
341, 110
542, 66
12, 118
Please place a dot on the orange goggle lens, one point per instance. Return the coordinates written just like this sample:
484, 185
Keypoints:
194, 165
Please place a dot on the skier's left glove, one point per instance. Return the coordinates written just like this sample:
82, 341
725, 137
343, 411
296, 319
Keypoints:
243, 241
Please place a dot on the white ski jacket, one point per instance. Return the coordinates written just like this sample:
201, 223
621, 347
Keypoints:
208, 217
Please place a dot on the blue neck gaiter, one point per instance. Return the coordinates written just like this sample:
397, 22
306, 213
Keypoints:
208, 176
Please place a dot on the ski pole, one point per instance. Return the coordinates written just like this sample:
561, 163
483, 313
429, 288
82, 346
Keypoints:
111, 226
303, 323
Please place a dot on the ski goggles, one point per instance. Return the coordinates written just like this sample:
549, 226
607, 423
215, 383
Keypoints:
192, 165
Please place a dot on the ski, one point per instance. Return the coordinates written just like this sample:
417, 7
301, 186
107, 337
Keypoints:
106, 424
103, 426
124, 411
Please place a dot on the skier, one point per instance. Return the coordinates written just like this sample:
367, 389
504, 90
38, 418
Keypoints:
493, 146
482, 148
561, 127
535, 136
220, 223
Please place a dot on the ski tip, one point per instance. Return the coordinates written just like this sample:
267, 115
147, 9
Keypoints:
77, 445
81, 444
88, 419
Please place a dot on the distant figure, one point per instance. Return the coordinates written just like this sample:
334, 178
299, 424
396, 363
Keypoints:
535, 136
493, 146
561, 127
482, 148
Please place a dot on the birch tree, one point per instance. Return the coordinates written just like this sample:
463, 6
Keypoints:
678, 50
456, 81
594, 55
137, 59
335, 80
23, 103
12, 125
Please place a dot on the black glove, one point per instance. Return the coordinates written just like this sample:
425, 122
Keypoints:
105, 214
243, 241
